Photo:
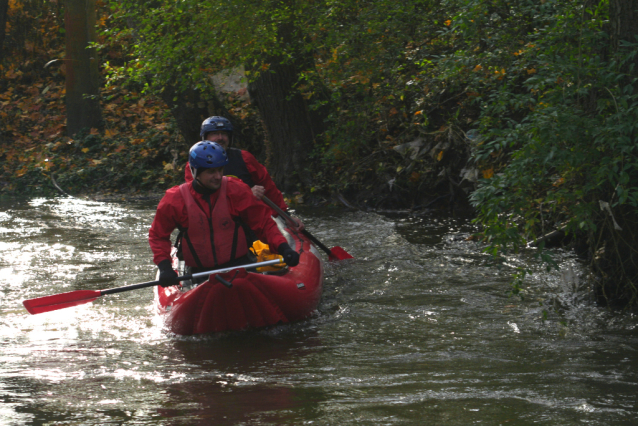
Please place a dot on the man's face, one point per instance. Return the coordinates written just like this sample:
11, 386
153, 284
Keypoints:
211, 178
220, 137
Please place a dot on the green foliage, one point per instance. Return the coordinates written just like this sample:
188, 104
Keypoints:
373, 72
567, 133
369, 56
184, 43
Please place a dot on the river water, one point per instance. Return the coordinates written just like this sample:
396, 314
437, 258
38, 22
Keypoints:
418, 329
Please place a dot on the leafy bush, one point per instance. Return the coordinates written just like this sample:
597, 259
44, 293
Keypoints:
563, 150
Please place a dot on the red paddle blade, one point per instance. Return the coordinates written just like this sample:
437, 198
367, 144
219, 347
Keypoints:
337, 253
60, 301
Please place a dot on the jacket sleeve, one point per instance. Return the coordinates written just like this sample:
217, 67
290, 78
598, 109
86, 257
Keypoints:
261, 177
166, 220
254, 213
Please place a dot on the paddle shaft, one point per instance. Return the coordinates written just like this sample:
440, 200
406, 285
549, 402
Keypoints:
292, 222
79, 297
190, 276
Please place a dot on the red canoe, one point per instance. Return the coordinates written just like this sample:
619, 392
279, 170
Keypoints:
254, 300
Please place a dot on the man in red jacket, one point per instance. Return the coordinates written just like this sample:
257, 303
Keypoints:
241, 164
211, 212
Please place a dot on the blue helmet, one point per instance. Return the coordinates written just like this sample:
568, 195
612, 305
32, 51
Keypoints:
206, 155
215, 124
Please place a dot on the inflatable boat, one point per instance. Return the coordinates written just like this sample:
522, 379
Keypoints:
245, 298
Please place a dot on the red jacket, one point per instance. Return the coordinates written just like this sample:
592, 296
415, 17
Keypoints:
260, 176
171, 214
225, 240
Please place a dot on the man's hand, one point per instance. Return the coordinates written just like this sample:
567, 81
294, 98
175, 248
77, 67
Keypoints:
290, 256
298, 223
167, 274
258, 191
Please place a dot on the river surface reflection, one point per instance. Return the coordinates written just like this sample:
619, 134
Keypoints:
418, 329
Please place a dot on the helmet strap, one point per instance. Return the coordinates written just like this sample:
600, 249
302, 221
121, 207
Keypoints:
193, 172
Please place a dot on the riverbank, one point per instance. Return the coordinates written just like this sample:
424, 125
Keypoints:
140, 153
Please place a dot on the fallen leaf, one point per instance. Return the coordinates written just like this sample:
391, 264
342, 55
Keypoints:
109, 133
488, 174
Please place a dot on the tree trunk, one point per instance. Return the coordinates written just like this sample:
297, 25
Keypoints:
623, 21
82, 78
292, 127
4, 8
189, 109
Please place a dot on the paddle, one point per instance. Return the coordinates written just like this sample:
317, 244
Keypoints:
80, 297
335, 253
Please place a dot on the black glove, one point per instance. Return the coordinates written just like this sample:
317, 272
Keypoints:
291, 257
167, 274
